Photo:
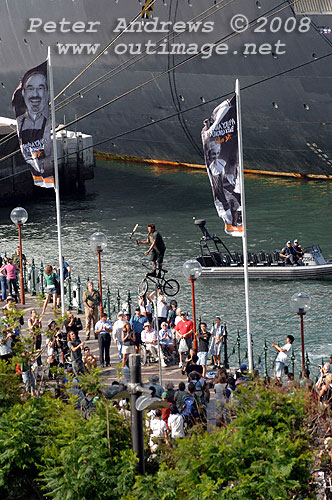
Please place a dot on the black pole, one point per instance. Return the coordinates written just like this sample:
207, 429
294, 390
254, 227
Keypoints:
226, 362
136, 416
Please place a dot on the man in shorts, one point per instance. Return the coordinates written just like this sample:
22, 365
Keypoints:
184, 329
203, 346
284, 351
157, 249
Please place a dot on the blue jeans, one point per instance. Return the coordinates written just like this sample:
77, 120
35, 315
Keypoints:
3, 284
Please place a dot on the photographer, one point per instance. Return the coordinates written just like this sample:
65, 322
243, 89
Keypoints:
75, 347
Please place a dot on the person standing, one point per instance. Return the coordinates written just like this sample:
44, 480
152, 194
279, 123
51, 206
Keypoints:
217, 334
128, 342
281, 358
203, 346
52, 287
75, 347
117, 333
161, 306
137, 324
73, 324
11, 271
157, 249
103, 330
35, 326
91, 301
3, 281
184, 328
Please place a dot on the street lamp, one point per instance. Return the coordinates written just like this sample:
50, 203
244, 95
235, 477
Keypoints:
300, 304
19, 216
98, 241
192, 270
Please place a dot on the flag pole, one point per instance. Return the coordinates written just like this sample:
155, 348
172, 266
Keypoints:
56, 179
244, 235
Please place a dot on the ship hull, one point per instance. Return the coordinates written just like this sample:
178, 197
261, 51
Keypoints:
286, 118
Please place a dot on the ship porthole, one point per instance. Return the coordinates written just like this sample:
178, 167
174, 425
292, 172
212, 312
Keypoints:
203, 99
314, 56
41, 42
3, 85
181, 97
306, 106
275, 105
25, 41
259, 5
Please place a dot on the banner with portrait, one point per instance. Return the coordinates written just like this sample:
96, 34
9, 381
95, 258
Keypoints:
221, 152
31, 106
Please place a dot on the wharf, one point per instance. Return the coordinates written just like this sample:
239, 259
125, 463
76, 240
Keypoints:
169, 374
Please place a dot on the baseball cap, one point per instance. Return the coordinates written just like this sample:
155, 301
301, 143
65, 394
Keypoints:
146, 323
295, 241
164, 395
183, 313
120, 313
288, 242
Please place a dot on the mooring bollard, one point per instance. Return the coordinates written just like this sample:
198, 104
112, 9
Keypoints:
25, 284
108, 301
293, 361
33, 277
79, 303
226, 361
129, 302
266, 373
70, 294
42, 278
238, 343
118, 299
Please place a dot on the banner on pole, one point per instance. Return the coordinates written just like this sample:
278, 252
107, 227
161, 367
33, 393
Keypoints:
221, 152
31, 106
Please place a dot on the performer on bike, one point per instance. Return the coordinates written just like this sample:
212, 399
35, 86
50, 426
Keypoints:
157, 249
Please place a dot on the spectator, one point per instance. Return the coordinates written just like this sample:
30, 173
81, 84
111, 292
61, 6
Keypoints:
73, 324
91, 301
179, 395
154, 382
145, 306
169, 386
128, 342
103, 331
324, 370
217, 334
75, 347
161, 306
117, 333
281, 358
165, 412
137, 324
203, 346
35, 326
185, 330
89, 360
3, 281
175, 423
52, 287
192, 366
5, 345
11, 271
158, 430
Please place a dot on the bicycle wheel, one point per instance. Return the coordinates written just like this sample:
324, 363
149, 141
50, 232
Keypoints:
171, 288
143, 287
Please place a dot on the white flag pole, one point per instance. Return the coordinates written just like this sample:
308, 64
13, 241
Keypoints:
244, 236
56, 179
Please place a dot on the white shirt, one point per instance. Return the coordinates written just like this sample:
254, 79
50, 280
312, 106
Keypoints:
158, 427
175, 423
117, 330
282, 356
162, 307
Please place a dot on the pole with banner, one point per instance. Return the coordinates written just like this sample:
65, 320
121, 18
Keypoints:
244, 222
223, 152
56, 179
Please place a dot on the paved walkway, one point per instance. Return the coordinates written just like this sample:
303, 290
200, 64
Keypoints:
170, 373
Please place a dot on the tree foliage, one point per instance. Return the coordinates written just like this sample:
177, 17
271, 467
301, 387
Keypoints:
263, 454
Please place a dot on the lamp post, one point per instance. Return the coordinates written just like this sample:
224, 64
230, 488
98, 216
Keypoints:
300, 304
19, 216
192, 270
98, 241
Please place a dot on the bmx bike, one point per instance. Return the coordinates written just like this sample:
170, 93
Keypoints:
169, 287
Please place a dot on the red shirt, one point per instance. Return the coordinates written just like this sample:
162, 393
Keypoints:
183, 327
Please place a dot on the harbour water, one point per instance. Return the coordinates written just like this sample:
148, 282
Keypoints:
122, 195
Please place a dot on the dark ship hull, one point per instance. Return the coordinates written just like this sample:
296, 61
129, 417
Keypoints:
286, 119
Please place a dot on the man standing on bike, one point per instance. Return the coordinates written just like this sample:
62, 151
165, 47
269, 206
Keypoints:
157, 249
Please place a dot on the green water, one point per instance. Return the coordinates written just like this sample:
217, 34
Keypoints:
122, 195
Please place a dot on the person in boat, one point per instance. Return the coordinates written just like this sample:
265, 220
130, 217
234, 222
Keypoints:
288, 254
157, 249
298, 251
